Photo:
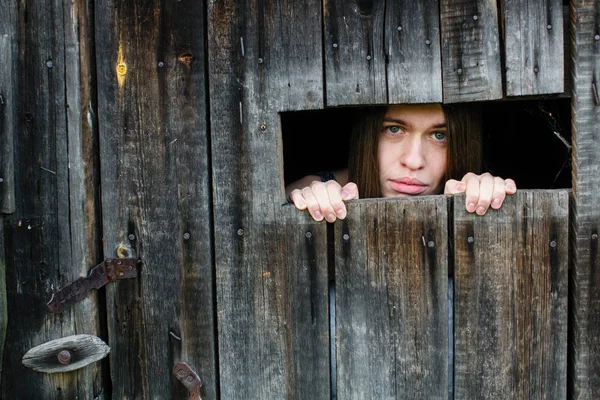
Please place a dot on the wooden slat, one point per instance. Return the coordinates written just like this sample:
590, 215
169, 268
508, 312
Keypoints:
412, 35
585, 277
391, 300
8, 116
52, 237
155, 194
510, 292
533, 32
354, 58
470, 42
265, 57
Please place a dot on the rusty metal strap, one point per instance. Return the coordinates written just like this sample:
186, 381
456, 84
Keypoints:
107, 271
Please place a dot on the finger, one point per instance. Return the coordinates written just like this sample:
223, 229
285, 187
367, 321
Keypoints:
350, 191
499, 193
511, 186
334, 190
321, 193
486, 191
453, 187
471, 182
312, 204
298, 200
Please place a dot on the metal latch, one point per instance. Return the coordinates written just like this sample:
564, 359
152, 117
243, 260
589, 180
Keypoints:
109, 270
189, 378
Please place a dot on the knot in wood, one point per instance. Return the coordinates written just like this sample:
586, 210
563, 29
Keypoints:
64, 357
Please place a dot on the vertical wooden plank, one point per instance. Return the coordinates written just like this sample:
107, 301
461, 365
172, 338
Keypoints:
534, 51
8, 114
156, 195
355, 64
391, 300
585, 277
510, 291
265, 57
412, 35
471, 64
52, 237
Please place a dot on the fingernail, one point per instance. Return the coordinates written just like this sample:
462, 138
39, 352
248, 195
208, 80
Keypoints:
330, 217
341, 214
318, 215
460, 186
471, 207
496, 203
344, 193
480, 210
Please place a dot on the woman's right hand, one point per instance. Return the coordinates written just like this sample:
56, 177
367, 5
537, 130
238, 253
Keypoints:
324, 199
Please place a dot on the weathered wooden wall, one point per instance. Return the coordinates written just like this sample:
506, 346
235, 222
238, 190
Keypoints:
151, 129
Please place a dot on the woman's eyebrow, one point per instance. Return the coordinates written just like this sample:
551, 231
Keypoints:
403, 122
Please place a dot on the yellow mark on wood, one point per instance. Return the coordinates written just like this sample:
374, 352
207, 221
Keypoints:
266, 274
121, 67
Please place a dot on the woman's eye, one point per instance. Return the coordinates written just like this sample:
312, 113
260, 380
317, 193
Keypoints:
394, 129
439, 136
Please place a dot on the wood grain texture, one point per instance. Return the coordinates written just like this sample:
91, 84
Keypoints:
155, 194
8, 118
585, 276
471, 62
355, 63
533, 47
52, 237
391, 300
510, 292
412, 47
268, 271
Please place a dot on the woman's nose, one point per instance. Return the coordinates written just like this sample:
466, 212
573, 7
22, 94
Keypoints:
412, 153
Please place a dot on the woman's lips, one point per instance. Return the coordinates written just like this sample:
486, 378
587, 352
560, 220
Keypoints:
410, 186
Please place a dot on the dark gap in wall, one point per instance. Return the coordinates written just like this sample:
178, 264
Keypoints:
527, 140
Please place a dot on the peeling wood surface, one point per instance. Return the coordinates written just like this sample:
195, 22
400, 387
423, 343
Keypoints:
391, 300
533, 32
510, 291
155, 194
8, 117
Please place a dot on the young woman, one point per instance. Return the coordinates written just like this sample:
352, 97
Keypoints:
406, 150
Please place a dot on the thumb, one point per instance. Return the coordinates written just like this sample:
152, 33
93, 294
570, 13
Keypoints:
349, 191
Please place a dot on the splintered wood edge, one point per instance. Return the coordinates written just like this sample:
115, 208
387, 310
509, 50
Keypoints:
86, 348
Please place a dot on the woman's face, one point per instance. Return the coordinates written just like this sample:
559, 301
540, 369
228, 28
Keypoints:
412, 150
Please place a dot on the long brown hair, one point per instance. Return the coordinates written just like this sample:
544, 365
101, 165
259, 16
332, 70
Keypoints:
464, 145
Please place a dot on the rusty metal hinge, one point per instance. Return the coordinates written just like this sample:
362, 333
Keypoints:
109, 270
189, 378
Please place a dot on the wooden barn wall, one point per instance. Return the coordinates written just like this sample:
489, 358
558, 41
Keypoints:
151, 129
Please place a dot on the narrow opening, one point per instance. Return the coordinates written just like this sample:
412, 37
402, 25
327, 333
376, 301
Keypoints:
527, 140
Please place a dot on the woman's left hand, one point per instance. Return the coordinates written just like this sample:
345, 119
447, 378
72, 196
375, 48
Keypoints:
482, 191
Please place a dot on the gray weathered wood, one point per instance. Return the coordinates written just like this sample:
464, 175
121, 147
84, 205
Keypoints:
8, 117
155, 194
412, 45
271, 278
3, 300
510, 298
470, 42
533, 47
391, 300
52, 236
585, 276
66, 354
355, 69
